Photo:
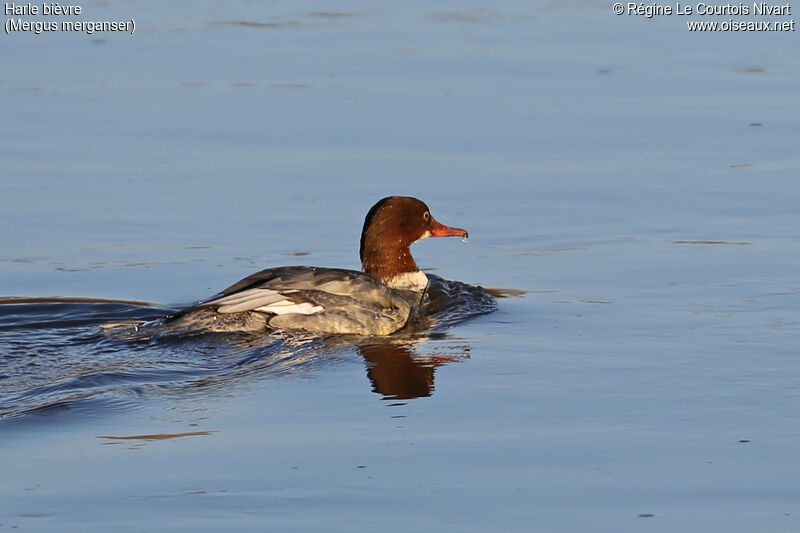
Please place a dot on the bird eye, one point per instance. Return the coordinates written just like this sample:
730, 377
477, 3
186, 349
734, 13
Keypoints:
426, 215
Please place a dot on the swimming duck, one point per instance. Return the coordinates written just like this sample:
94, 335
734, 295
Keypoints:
376, 301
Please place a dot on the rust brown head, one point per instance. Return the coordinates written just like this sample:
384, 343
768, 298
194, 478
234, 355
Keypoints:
390, 228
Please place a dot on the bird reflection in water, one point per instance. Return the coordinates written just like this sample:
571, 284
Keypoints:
397, 373
403, 366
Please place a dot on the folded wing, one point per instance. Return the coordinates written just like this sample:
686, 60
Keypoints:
306, 298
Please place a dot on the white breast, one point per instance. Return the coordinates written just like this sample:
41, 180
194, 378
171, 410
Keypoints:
409, 281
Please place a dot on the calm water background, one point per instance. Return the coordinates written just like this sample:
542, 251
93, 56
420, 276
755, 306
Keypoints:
630, 184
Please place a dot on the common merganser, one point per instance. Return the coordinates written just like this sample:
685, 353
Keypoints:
377, 301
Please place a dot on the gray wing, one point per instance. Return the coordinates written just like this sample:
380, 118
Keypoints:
281, 287
314, 299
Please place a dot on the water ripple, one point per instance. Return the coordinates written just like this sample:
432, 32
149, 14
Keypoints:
55, 358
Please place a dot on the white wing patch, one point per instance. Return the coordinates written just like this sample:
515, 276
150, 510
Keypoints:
265, 300
286, 307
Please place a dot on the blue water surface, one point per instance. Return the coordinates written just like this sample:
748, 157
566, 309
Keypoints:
630, 192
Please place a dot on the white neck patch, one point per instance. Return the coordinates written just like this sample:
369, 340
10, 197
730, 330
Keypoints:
409, 281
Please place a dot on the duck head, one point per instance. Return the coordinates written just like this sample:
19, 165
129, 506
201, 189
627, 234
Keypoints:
390, 228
